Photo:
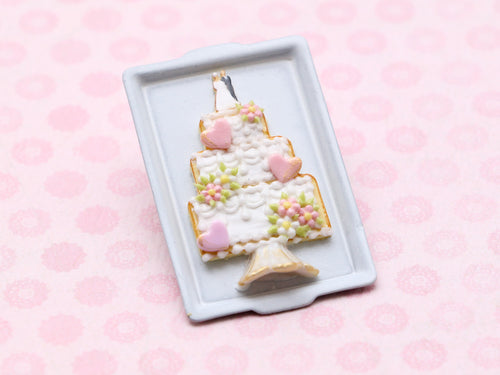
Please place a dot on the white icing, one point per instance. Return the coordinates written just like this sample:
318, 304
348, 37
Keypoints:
290, 232
245, 212
207, 256
313, 234
249, 248
241, 131
250, 158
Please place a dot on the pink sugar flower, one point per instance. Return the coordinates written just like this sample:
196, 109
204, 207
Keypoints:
308, 216
251, 112
288, 207
212, 192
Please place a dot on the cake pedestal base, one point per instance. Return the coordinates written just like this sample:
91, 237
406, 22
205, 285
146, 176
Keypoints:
274, 258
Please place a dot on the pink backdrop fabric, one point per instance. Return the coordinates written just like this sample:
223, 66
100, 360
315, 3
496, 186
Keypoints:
86, 283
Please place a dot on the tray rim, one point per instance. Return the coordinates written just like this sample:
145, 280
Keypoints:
292, 298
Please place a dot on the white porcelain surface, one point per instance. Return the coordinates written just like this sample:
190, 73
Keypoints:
167, 100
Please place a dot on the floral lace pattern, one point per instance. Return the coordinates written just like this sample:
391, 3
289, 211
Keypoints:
294, 216
250, 112
217, 187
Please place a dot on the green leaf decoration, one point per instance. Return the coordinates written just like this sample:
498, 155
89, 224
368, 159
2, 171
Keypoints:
222, 167
244, 117
302, 199
212, 203
212, 177
273, 219
226, 193
204, 180
234, 186
257, 118
223, 199
319, 221
295, 217
238, 106
274, 207
284, 195
316, 207
200, 186
251, 102
234, 171
262, 109
302, 230
310, 202
273, 230
200, 198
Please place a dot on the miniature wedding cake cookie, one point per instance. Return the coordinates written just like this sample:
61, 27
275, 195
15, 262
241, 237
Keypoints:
251, 197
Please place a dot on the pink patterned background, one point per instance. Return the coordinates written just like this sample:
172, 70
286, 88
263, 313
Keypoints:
86, 284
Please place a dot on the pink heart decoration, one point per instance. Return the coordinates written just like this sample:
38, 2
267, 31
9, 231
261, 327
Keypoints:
284, 169
215, 238
218, 136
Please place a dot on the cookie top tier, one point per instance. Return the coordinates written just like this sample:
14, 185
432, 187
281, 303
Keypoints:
243, 130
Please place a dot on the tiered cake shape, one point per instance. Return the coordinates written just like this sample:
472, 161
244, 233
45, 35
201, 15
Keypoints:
251, 198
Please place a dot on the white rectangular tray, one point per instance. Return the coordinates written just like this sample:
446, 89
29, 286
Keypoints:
167, 100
